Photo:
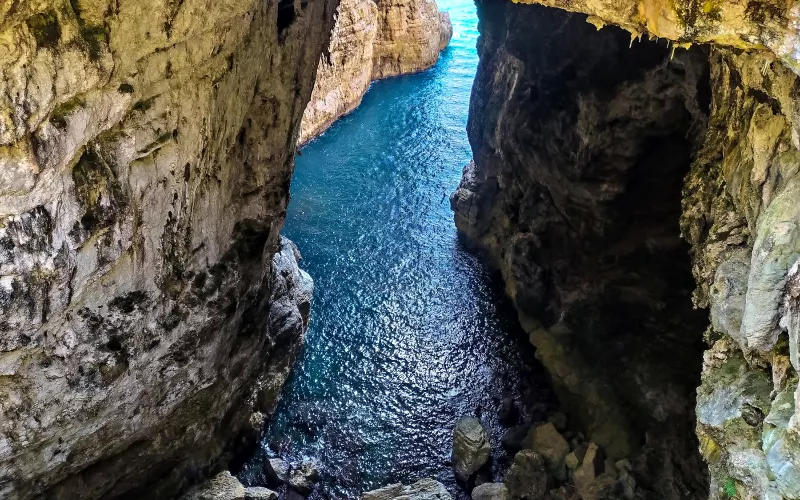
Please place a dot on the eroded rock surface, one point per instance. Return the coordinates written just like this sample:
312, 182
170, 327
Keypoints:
372, 39
146, 148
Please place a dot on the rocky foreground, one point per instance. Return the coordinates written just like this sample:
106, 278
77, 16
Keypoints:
372, 39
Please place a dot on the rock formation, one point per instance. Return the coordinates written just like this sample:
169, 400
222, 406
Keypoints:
590, 160
372, 41
146, 149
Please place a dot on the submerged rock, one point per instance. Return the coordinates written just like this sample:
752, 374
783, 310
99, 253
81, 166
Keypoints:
471, 448
424, 489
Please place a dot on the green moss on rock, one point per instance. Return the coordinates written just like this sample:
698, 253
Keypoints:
45, 29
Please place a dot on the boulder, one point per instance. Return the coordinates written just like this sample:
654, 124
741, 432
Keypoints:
590, 468
424, 489
604, 487
563, 493
259, 493
551, 445
223, 486
471, 448
490, 491
527, 477
303, 478
276, 470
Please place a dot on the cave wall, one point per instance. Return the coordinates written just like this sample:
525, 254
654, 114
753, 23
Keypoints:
580, 142
146, 149
590, 159
372, 40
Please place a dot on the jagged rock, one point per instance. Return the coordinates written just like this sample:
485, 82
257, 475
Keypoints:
527, 477
471, 448
223, 486
259, 493
591, 467
276, 471
490, 491
603, 487
144, 167
303, 478
550, 444
559, 420
424, 489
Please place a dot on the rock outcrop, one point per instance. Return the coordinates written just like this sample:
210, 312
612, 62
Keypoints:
590, 159
146, 149
372, 39
471, 448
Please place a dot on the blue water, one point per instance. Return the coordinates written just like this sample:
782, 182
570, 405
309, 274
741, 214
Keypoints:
408, 331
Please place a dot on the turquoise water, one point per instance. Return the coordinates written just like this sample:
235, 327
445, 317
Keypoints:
408, 331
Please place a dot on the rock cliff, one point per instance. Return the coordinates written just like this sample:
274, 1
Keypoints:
615, 188
370, 41
146, 148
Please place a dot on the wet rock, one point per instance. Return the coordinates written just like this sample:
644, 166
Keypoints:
527, 477
551, 445
471, 448
223, 486
276, 470
424, 489
303, 478
259, 493
490, 491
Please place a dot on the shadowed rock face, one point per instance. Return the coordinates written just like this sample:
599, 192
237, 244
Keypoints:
581, 152
146, 149
580, 146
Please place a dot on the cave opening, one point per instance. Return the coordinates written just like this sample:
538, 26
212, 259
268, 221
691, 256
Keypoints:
581, 140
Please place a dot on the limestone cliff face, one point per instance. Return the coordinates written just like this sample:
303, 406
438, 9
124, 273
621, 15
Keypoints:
146, 148
370, 42
579, 190
345, 71
411, 33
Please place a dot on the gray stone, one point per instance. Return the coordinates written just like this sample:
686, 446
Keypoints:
276, 470
471, 448
590, 468
490, 491
514, 438
303, 478
551, 445
527, 477
424, 489
259, 493
223, 486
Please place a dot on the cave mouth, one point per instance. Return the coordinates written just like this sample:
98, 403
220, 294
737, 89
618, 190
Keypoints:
581, 142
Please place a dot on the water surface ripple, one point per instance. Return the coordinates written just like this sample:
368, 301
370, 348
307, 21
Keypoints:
408, 331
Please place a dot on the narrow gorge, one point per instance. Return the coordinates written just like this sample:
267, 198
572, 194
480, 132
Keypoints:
603, 303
